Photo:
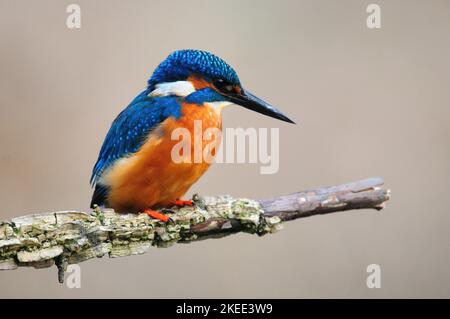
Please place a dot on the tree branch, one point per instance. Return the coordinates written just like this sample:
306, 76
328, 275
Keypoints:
63, 238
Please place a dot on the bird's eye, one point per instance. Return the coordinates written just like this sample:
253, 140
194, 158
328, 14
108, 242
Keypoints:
223, 86
229, 88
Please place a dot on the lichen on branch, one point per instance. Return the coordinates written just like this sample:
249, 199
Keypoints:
69, 237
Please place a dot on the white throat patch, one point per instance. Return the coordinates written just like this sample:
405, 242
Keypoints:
218, 106
179, 88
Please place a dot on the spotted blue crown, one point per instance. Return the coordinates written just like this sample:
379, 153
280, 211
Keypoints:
181, 64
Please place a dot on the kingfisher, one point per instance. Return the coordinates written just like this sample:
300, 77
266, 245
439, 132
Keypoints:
135, 171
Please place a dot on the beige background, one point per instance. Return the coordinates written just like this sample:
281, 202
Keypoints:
367, 103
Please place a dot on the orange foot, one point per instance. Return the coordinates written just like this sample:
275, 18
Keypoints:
157, 215
182, 203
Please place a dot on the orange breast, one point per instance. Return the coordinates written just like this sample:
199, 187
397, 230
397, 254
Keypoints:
151, 178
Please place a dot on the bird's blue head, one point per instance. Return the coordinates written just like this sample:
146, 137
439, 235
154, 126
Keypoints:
182, 64
203, 77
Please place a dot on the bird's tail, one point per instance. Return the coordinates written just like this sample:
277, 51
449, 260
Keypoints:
100, 196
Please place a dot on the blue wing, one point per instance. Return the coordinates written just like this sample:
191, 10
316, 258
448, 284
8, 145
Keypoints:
129, 131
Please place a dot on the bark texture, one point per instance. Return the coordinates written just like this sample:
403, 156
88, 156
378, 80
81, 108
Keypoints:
68, 237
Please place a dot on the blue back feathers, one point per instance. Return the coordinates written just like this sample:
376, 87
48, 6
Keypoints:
131, 128
181, 64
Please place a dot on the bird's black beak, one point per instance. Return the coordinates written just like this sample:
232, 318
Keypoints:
251, 102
